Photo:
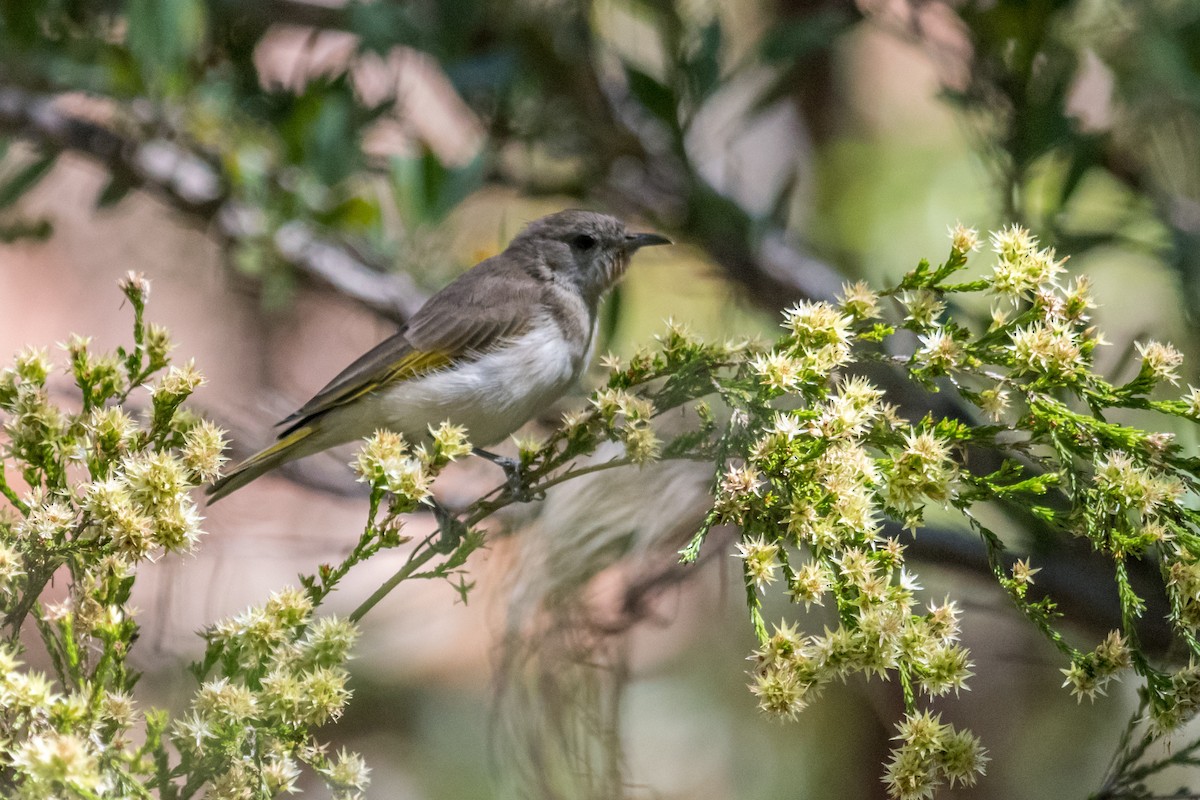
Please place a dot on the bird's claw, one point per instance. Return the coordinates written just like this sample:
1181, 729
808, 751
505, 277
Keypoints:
451, 527
514, 474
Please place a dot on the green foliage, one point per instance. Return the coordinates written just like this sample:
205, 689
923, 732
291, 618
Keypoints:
185, 71
23, 179
428, 189
163, 36
1028, 61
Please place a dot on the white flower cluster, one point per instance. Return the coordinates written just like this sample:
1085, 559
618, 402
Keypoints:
810, 496
629, 417
929, 753
289, 676
386, 460
44, 758
1057, 343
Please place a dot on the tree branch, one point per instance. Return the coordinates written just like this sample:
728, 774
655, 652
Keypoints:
191, 183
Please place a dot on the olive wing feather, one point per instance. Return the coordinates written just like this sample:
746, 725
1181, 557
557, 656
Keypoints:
454, 327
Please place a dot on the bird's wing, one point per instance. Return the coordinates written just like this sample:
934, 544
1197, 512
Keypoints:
449, 329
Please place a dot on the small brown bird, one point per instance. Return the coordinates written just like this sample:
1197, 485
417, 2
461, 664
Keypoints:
489, 351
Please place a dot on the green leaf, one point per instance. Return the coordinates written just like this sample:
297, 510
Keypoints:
25, 179
427, 190
353, 213
655, 96
704, 68
332, 139
382, 26
321, 128
162, 36
804, 36
20, 20
113, 192
460, 182
37, 230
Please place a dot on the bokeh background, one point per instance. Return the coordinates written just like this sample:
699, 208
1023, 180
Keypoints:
295, 177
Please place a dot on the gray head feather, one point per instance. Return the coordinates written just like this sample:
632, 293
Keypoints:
590, 249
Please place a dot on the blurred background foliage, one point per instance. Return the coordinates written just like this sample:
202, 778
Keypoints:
1083, 114
792, 144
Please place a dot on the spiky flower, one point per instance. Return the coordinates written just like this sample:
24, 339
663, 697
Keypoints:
859, 300
780, 692
995, 403
924, 307
1053, 350
939, 351
1160, 360
51, 759
964, 240
348, 776
760, 559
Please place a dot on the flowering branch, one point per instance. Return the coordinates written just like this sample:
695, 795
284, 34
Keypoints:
104, 491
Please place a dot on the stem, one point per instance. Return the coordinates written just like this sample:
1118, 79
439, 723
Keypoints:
416, 559
476, 513
132, 783
906, 686
1181, 756
38, 576
1126, 754
484, 509
53, 648
754, 606
322, 585
10, 494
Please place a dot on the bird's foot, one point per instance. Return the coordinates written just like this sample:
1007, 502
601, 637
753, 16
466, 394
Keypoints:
451, 527
513, 473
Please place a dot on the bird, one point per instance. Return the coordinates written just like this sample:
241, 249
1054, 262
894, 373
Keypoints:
489, 351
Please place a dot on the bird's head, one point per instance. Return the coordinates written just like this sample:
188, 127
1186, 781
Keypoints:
590, 249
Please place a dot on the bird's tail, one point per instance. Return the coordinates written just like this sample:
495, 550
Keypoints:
286, 449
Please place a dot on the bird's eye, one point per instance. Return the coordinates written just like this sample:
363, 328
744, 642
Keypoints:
583, 242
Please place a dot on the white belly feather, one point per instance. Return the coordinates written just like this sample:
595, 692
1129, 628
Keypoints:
491, 396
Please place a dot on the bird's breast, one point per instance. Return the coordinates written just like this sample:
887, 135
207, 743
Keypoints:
493, 394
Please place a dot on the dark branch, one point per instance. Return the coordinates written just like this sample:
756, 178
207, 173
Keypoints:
190, 183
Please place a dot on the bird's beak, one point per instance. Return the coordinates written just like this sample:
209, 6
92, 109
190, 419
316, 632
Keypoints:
635, 241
